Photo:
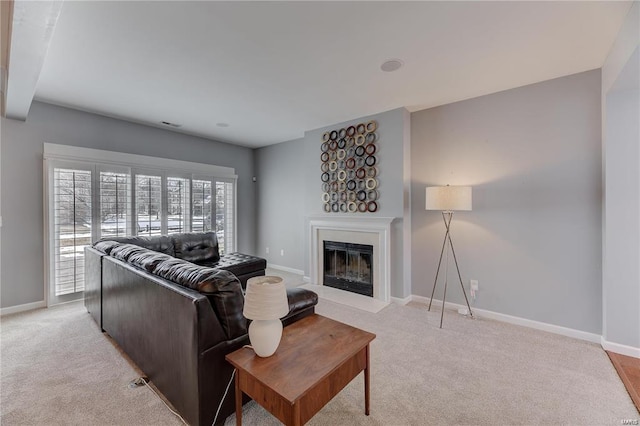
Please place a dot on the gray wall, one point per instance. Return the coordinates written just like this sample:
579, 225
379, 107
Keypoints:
533, 239
22, 207
290, 192
280, 203
621, 224
621, 261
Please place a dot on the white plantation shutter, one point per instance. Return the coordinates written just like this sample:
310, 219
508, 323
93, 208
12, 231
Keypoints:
115, 204
201, 204
71, 228
93, 194
148, 195
178, 203
225, 215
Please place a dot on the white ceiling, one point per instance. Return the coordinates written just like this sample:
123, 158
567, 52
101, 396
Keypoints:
274, 70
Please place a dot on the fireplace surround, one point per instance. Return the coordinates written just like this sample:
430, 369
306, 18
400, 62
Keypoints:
374, 231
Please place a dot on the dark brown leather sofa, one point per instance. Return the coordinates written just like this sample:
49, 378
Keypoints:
200, 248
175, 319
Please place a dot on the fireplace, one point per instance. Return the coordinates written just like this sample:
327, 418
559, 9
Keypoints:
348, 266
374, 232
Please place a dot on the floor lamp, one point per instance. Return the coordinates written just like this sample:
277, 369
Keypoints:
447, 199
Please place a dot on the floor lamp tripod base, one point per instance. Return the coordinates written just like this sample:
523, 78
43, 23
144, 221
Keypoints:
446, 217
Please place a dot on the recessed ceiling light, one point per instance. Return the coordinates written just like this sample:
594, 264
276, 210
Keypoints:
167, 123
222, 124
391, 65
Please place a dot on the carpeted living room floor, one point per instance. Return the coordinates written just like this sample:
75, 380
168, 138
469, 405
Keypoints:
57, 368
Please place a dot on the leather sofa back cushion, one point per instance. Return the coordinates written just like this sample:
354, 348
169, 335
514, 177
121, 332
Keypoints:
148, 259
196, 248
106, 246
125, 251
222, 289
162, 244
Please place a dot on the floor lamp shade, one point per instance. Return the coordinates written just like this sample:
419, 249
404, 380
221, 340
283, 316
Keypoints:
265, 303
448, 198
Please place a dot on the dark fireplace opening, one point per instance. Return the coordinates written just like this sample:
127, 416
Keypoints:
348, 267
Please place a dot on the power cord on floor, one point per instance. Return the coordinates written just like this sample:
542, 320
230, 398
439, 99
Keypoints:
226, 391
223, 397
145, 380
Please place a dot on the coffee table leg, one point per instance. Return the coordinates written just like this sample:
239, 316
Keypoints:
238, 400
366, 384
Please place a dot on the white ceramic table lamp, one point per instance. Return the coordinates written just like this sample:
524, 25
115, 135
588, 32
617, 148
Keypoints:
265, 303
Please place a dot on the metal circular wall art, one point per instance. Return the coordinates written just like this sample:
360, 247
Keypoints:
349, 169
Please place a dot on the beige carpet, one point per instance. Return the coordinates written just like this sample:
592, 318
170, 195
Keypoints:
57, 368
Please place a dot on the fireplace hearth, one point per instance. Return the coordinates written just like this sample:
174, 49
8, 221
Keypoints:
349, 267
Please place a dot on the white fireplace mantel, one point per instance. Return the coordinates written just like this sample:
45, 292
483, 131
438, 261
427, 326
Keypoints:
377, 229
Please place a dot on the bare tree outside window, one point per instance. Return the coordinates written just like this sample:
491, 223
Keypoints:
72, 228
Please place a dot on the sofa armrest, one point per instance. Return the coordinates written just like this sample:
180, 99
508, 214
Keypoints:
302, 303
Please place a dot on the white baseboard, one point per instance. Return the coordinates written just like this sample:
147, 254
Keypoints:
482, 313
22, 308
285, 269
620, 349
401, 301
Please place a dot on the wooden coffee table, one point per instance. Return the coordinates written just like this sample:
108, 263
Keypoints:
316, 359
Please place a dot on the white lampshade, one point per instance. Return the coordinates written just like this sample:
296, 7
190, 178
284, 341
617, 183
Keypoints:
265, 299
265, 302
448, 198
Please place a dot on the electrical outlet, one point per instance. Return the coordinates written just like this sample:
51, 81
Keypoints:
267, 250
282, 252
473, 285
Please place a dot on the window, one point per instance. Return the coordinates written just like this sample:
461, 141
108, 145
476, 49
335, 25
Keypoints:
123, 195
225, 216
115, 199
201, 205
71, 212
178, 201
149, 205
